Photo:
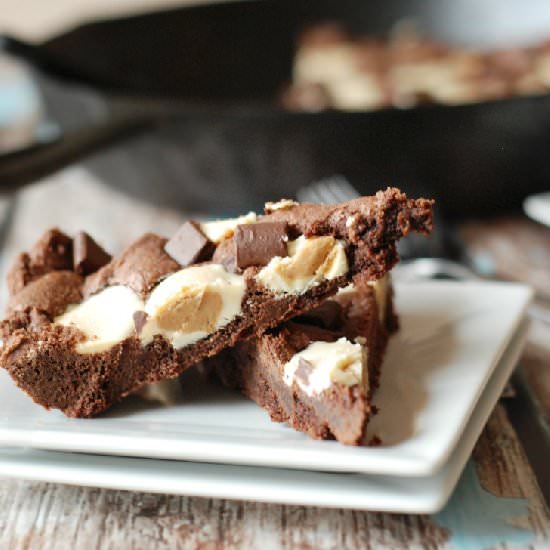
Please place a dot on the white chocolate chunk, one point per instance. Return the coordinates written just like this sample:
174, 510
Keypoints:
105, 318
283, 204
165, 392
192, 303
187, 306
220, 230
340, 362
349, 289
351, 221
381, 289
309, 261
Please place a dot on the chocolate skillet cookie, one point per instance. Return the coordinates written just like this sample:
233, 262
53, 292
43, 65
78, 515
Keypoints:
319, 371
79, 338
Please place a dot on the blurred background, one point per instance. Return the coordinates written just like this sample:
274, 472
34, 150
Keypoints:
128, 116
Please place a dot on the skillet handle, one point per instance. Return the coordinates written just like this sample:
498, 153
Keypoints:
38, 57
23, 167
27, 165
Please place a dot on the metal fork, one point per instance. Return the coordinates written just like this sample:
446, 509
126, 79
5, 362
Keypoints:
328, 191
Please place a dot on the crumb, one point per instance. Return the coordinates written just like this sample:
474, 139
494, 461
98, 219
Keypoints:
375, 441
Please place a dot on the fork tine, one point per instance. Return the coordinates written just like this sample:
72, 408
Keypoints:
326, 193
330, 190
314, 192
339, 195
309, 193
343, 190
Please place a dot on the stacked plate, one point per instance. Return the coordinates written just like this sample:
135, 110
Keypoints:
443, 373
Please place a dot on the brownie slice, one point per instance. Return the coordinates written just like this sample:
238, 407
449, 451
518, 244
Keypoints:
358, 321
80, 341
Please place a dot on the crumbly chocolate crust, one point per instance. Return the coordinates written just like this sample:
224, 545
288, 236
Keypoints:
41, 356
53, 252
255, 367
141, 266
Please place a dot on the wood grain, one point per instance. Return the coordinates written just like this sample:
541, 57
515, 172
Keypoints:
519, 249
42, 516
503, 469
54, 516
514, 248
536, 366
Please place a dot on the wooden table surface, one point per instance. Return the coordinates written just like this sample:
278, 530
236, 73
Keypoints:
498, 502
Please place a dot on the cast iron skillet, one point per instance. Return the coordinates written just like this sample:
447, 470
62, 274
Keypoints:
211, 75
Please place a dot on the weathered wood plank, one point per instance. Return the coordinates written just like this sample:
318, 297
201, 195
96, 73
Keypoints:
513, 248
43, 516
55, 516
519, 249
536, 366
503, 470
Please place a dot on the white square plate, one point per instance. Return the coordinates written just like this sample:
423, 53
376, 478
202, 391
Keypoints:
358, 491
452, 337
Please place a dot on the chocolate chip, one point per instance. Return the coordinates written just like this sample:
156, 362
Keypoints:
88, 256
257, 243
328, 315
189, 245
140, 318
304, 370
225, 255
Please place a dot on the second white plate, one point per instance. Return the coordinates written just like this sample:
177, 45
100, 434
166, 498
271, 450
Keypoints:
452, 337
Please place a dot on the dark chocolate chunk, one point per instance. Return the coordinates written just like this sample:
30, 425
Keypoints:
140, 318
88, 256
328, 315
189, 245
257, 243
225, 255
304, 370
